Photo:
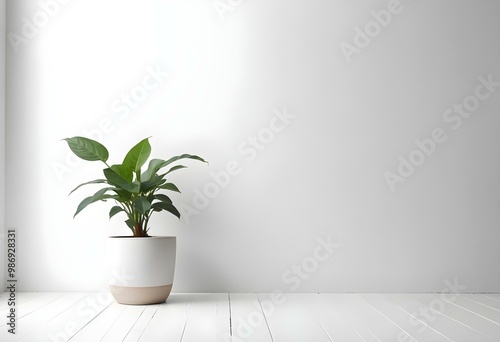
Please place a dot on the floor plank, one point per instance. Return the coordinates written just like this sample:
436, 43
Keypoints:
141, 324
263, 317
169, 321
100, 325
35, 303
483, 311
72, 317
403, 320
21, 298
247, 320
208, 318
123, 324
340, 315
486, 301
462, 316
494, 296
39, 319
433, 316
290, 320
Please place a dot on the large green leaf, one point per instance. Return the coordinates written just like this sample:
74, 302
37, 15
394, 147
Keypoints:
162, 198
169, 186
142, 205
137, 156
123, 195
152, 183
120, 182
159, 206
97, 181
183, 156
156, 164
151, 197
123, 171
153, 167
115, 210
87, 149
98, 196
177, 167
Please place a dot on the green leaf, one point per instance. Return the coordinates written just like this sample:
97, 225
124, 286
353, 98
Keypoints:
137, 156
97, 181
153, 167
162, 198
142, 205
123, 172
156, 164
123, 195
169, 186
98, 196
120, 182
183, 156
152, 183
87, 149
115, 210
159, 206
177, 167
130, 223
151, 197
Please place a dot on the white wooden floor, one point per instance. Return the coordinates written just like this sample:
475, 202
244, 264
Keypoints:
237, 317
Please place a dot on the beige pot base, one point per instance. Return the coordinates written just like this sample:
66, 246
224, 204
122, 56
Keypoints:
140, 295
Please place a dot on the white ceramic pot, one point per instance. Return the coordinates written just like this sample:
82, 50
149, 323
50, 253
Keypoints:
141, 268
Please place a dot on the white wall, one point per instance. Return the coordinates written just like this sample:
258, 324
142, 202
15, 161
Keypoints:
322, 175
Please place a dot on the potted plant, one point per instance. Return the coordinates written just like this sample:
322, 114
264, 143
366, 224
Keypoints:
148, 262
